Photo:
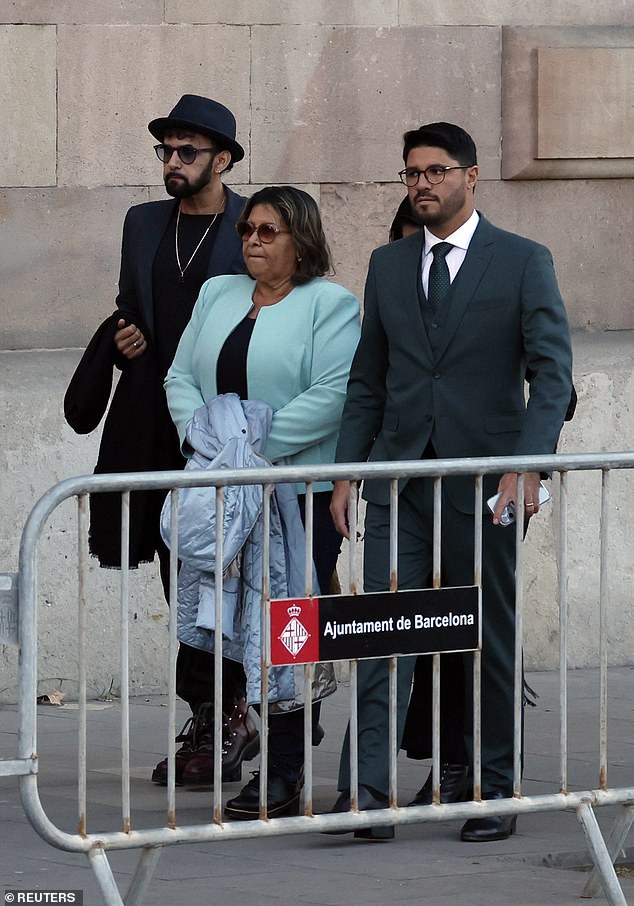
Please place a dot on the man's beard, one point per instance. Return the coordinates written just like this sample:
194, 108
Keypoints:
178, 187
445, 211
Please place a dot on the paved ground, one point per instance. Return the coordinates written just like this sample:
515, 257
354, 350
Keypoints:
542, 864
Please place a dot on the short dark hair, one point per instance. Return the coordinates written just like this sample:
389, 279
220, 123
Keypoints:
300, 214
455, 141
404, 215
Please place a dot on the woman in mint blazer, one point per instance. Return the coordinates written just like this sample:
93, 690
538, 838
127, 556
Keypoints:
285, 335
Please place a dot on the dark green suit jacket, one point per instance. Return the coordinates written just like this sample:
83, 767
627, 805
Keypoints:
505, 314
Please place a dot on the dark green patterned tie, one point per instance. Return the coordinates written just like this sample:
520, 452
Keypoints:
439, 281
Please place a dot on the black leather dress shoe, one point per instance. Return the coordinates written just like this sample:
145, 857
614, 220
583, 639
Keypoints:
455, 785
369, 799
282, 798
486, 830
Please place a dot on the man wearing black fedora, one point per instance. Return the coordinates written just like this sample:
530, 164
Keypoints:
169, 249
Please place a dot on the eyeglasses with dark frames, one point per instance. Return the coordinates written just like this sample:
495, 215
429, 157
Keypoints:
187, 153
434, 174
266, 232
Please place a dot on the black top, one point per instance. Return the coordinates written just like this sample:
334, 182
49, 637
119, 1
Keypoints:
231, 370
173, 300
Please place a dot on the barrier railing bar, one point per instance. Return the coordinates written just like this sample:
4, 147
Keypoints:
392, 663
165, 480
218, 716
603, 629
518, 684
356, 583
172, 654
117, 840
436, 678
353, 545
309, 669
393, 586
82, 605
309, 527
477, 656
126, 818
563, 631
265, 653
309, 675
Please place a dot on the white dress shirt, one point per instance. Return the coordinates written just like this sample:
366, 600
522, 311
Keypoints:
460, 240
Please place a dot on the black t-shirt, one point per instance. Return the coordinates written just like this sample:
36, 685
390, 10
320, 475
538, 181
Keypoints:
173, 305
173, 300
231, 369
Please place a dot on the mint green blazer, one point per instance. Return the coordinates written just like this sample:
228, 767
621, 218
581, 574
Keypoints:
298, 361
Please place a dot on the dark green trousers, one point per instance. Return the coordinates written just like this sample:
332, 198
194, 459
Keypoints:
415, 550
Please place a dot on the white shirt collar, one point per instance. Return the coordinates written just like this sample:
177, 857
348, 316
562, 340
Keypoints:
459, 238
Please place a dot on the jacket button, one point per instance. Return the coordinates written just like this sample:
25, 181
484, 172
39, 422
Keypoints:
436, 375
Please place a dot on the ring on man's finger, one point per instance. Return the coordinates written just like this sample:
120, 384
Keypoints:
135, 344
530, 503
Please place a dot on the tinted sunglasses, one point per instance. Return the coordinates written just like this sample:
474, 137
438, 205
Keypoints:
186, 153
266, 232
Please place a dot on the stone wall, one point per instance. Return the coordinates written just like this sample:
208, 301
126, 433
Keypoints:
322, 92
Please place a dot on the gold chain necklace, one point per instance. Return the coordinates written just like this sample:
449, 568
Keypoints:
182, 270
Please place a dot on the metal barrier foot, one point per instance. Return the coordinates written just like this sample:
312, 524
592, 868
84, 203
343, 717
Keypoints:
107, 884
600, 856
614, 843
143, 875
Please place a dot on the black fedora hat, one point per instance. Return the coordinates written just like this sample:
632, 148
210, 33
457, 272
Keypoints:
201, 115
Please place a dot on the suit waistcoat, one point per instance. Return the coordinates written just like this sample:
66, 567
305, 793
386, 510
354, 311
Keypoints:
434, 322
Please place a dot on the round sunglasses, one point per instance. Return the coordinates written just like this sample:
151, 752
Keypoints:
186, 153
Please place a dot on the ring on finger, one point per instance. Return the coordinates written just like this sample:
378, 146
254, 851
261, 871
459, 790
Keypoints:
135, 344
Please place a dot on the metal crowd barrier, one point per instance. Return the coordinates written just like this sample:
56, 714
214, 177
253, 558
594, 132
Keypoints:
98, 844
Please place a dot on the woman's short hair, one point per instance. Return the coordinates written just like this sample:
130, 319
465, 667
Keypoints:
299, 212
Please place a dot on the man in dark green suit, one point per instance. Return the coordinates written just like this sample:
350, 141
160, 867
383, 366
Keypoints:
454, 316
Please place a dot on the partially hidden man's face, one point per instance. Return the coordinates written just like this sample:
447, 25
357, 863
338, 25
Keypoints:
184, 180
448, 204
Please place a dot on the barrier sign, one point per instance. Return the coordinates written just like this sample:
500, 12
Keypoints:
380, 624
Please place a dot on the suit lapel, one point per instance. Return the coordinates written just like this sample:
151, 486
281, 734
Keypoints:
468, 279
227, 246
156, 220
409, 277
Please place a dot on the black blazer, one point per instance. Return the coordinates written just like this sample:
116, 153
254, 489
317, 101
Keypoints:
143, 230
138, 424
